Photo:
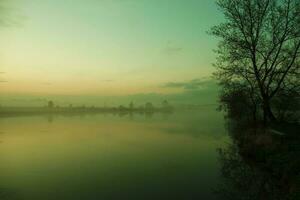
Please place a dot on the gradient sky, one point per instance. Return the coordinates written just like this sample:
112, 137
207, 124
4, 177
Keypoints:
105, 47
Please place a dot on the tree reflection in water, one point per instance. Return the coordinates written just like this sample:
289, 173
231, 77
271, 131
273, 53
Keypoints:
260, 163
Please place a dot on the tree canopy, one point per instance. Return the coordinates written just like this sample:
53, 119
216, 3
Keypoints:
260, 48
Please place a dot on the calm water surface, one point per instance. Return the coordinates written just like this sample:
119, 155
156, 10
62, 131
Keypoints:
111, 156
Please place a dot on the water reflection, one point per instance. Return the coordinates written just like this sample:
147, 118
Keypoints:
138, 157
111, 157
147, 115
260, 163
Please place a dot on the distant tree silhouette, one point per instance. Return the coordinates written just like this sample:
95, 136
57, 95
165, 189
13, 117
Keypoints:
165, 103
149, 106
131, 106
260, 48
166, 106
121, 108
50, 104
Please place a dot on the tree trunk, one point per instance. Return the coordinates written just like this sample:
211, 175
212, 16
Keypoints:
254, 114
268, 114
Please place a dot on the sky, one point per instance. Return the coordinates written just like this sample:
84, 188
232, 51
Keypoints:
106, 48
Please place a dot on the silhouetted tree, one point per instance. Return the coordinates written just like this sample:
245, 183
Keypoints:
239, 101
149, 106
166, 106
131, 106
50, 104
260, 47
286, 105
165, 103
122, 108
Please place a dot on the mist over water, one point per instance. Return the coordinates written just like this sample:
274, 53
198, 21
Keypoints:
111, 156
149, 99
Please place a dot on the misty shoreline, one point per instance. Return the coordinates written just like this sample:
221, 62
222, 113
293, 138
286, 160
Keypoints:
15, 111
121, 110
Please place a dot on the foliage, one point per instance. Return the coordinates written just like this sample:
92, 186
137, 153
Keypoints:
260, 48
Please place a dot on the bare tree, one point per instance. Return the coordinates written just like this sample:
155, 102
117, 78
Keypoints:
260, 47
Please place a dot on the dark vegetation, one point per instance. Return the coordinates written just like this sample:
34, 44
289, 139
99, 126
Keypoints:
258, 69
260, 163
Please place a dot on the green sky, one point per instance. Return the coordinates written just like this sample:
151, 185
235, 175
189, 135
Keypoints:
105, 47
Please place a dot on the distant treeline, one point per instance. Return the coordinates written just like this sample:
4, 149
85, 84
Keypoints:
51, 107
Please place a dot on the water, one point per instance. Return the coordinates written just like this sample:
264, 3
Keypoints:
111, 157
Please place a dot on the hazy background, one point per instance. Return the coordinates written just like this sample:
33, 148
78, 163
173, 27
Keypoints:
107, 52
